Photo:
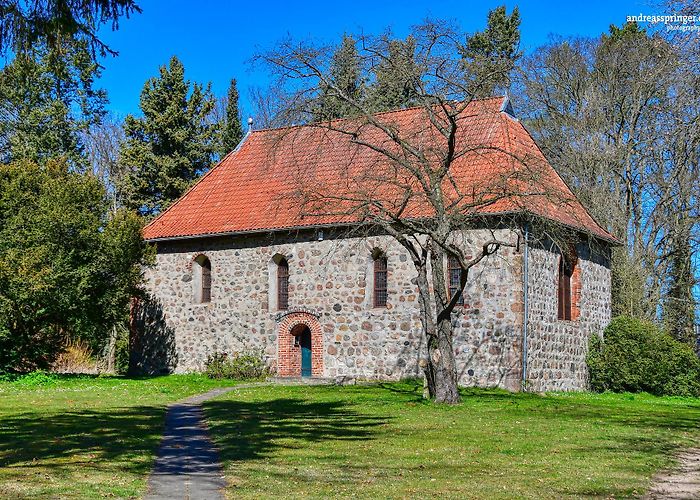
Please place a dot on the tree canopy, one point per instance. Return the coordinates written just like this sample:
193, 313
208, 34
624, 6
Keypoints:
490, 56
26, 24
346, 75
47, 101
231, 128
67, 269
171, 145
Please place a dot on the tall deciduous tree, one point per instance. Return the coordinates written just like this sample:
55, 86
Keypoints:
679, 302
415, 168
590, 104
490, 56
171, 145
47, 101
675, 157
102, 145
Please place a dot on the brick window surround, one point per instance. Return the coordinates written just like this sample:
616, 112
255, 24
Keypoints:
289, 354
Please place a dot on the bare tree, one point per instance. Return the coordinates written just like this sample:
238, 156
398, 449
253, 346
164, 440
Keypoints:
618, 117
102, 142
273, 107
405, 174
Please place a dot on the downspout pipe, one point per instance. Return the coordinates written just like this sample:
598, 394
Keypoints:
526, 305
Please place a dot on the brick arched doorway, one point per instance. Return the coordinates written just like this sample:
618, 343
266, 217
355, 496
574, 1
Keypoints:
292, 339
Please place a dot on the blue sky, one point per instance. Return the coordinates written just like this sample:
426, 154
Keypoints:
215, 39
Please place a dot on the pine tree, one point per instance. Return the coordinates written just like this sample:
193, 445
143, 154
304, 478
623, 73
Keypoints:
397, 77
173, 144
50, 22
47, 101
231, 129
346, 74
489, 56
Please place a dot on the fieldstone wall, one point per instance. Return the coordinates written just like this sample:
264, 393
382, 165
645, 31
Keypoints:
332, 280
557, 349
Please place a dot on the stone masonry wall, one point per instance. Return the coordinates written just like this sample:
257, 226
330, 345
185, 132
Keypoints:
557, 349
332, 279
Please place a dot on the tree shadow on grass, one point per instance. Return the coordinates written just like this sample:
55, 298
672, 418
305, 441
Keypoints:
100, 437
115, 434
253, 430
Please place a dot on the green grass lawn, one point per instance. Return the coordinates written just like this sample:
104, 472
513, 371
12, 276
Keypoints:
385, 442
96, 437
85, 437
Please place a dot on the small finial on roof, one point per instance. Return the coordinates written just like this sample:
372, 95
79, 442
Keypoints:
250, 123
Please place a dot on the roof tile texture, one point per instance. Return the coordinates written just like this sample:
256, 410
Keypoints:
325, 174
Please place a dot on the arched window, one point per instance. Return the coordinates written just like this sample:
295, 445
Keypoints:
282, 284
202, 281
567, 265
380, 281
454, 272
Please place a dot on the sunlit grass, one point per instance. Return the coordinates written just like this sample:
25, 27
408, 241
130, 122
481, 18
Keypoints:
386, 442
95, 437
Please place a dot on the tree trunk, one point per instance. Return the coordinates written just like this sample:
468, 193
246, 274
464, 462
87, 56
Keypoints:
441, 361
440, 367
111, 351
426, 317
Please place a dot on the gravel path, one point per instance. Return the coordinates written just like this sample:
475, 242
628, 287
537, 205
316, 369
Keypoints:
187, 465
682, 482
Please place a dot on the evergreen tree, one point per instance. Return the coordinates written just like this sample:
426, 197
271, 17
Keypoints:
397, 77
173, 144
489, 56
346, 74
47, 101
231, 129
30, 23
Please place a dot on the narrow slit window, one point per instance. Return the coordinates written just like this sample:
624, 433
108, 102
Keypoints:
283, 285
206, 280
566, 271
380, 281
201, 270
454, 272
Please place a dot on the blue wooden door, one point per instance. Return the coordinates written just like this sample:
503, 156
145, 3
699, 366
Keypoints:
305, 353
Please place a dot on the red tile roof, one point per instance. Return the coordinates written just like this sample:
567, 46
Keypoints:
260, 186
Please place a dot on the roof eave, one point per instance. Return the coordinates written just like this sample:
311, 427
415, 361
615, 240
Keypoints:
609, 239
249, 231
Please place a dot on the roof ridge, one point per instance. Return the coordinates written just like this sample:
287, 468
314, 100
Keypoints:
378, 113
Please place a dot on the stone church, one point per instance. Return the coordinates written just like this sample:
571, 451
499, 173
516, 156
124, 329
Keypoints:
240, 267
